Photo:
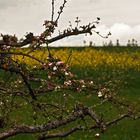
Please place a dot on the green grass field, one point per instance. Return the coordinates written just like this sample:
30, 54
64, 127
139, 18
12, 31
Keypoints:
124, 130
127, 86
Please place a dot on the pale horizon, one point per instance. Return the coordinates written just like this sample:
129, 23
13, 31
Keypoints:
119, 17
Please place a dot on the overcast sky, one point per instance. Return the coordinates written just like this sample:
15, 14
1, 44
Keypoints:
120, 17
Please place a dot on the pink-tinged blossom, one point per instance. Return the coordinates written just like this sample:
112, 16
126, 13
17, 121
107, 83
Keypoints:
50, 64
59, 63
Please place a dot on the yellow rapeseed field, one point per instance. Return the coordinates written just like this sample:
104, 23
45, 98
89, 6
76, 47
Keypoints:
87, 57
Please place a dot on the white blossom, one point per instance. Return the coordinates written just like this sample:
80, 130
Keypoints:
49, 77
19, 81
34, 67
91, 82
49, 24
83, 86
97, 134
8, 47
100, 94
57, 88
1, 103
68, 83
54, 68
66, 73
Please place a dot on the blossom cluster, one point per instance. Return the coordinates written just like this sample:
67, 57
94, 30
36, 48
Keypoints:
57, 69
59, 73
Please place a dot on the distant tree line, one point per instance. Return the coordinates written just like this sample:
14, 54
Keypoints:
130, 43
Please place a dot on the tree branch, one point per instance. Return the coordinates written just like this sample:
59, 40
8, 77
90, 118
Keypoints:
24, 77
76, 114
61, 133
22, 54
71, 33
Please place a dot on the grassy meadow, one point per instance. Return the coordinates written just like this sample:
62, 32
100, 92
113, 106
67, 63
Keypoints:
121, 65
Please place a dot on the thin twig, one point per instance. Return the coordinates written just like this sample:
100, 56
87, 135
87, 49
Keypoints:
61, 11
61, 134
52, 10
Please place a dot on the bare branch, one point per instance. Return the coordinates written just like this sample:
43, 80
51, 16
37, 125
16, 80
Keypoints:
117, 119
61, 133
24, 77
77, 113
69, 33
22, 54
